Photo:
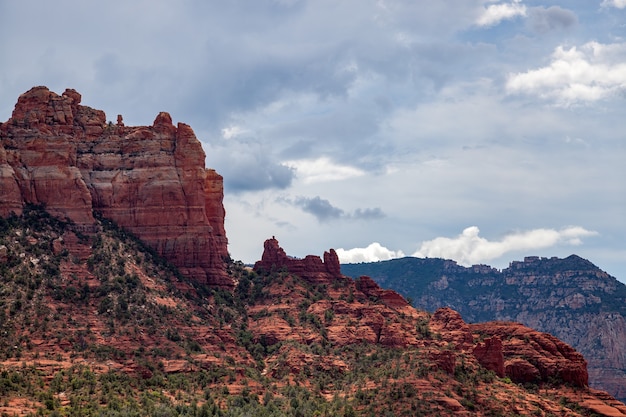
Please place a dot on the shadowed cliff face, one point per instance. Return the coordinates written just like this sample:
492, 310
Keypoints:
150, 180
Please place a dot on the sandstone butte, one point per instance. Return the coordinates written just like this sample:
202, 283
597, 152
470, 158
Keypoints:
149, 180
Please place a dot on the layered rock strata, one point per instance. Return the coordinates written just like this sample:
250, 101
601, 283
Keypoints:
311, 267
529, 355
150, 180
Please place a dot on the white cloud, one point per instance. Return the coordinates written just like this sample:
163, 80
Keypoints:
590, 73
232, 131
620, 4
469, 248
373, 253
322, 170
496, 13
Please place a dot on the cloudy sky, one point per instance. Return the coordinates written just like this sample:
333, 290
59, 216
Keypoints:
477, 130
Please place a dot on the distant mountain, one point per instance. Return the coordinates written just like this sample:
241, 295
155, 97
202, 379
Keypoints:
570, 298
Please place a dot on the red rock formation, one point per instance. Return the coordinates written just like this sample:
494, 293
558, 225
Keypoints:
9, 189
311, 268
361, 312
445, 360
489, 355
532, 356
316, 271
215, 213
522, 371
370, 288
149, 180
449, 324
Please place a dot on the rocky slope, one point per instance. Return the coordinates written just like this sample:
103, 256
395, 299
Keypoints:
570, 298
150, 180
99, 326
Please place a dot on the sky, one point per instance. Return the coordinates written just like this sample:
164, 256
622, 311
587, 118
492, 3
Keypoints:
476, 130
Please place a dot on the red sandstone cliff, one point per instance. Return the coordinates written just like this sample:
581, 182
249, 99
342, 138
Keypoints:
150, 180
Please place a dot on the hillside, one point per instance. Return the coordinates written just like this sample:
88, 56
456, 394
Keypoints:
100, 325
570, 298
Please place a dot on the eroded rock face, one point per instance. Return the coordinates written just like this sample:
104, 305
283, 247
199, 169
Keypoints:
370, 288
532, 356
451, 326
311, 267
328, 271
490, 355
150, 180
354, 311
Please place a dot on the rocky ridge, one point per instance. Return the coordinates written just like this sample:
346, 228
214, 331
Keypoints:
527, 356
570, 298
150, 180
312, 268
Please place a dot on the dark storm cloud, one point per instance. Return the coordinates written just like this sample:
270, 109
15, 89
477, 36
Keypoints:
283, 48
256, 174
318, 207
259, 78
368, 213
324, 211
248, 167
544, 20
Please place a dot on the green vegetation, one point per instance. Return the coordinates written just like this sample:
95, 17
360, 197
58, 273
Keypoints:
111, 329
431, 283
413, 273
